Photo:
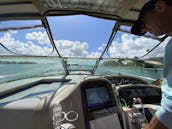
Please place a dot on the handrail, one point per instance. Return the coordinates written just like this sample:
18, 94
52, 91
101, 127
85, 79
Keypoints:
47, 28
20, 28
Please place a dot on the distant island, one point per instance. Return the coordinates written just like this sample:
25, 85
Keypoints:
148, 63
16, 62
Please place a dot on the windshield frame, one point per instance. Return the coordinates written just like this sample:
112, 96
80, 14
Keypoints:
115, 29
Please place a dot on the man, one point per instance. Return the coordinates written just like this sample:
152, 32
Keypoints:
156, 17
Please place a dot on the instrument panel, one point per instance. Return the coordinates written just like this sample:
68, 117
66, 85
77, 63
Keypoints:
149, 94
99, 103
122, 80
97, 94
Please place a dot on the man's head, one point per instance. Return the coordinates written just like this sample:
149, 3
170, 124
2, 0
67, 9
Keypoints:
153, 18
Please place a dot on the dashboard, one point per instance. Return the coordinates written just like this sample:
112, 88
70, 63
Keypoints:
122, 80
84, 104
129, 87
149, 94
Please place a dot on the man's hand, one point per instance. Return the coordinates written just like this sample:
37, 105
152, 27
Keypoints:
155, 124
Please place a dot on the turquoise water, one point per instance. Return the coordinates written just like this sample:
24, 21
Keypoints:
149, 75
25, 67
15, 68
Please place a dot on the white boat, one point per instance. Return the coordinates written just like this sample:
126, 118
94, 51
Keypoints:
49, 82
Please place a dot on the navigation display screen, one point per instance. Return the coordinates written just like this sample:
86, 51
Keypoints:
97, 97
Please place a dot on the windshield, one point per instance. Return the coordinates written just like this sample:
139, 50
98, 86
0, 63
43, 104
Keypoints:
81, 41
80, 36
23, 52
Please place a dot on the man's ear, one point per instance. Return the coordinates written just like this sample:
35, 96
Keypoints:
160, 6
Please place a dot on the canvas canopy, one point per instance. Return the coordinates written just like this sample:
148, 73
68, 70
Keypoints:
126, 10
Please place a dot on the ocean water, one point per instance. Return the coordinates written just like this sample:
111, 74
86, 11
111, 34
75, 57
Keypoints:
15, 68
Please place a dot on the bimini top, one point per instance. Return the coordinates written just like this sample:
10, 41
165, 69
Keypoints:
36, 9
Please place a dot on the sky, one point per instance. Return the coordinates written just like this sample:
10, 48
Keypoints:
76, 36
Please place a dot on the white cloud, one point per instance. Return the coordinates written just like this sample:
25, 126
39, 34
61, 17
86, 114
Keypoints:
74, 49
41, 37
13, 31
102, 47
131, 47
26, 48
94, 54
66, 48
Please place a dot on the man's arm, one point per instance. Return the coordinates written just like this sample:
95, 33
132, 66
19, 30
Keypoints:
155, 124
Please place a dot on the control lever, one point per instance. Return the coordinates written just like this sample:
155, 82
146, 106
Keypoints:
140, 102
138, 117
